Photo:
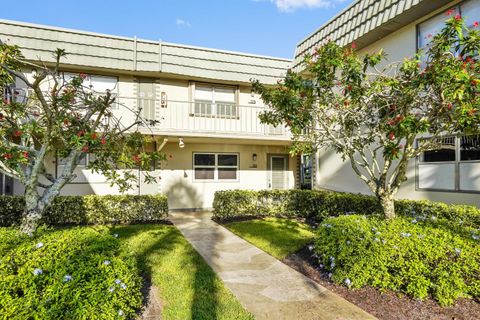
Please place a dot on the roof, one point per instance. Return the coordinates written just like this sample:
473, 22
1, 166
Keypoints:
366, 21
102, 51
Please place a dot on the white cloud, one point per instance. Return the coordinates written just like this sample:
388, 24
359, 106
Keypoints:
290, 5
183, 23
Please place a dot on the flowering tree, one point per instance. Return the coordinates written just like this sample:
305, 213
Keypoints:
372, 113
66, 118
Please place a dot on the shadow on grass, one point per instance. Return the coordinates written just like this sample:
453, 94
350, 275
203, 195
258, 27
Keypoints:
188, 286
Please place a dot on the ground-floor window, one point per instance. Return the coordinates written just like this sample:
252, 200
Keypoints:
215, 166
455, 166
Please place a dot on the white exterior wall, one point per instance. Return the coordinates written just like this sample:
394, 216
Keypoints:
335, 174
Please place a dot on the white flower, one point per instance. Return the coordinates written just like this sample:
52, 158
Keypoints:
330, 275
405, 234
433, 218
115, 235
321, 266
348, 282
414, 221
384, 241
458, 251
374, 229
37, 272
106, 262
348, 241
395, 247
475, 237
311, 247
67, 278
123, 286
120, 313
378, 233
39, 245
111, 289
118, 281
376, 239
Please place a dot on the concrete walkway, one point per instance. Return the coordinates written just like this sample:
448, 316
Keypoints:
265, 286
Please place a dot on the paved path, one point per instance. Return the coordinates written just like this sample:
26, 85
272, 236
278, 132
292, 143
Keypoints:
265, 286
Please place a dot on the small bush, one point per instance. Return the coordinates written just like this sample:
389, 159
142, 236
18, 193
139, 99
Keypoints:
77, 273
90, 209
418, 256
319, 205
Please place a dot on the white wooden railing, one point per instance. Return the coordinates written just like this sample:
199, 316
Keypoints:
202, 117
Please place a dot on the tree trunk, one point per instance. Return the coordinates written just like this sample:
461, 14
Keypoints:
388, 205
33, 211
31, 218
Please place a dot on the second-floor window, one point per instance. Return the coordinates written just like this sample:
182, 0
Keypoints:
469, 10
215, 101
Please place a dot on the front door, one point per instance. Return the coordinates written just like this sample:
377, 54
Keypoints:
278, 172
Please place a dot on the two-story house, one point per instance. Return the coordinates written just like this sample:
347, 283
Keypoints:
401, 28
206, 115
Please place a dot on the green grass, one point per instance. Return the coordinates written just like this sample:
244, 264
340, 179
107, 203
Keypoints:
188, 287
276, 236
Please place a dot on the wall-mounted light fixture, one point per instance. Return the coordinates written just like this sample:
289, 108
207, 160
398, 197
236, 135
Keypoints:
254, 157
181, 144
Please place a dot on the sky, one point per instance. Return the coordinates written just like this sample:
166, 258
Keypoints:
265, 27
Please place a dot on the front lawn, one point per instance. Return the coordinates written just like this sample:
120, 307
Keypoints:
95, 272
276, 236
188, 287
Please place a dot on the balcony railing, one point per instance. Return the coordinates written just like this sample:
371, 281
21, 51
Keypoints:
222, 119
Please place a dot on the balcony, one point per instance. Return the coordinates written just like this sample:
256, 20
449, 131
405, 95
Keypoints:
204, 119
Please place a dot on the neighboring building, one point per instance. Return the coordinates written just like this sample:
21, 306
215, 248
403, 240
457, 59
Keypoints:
400, 27
207, 116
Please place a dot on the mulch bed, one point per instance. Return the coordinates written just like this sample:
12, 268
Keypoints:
387, 305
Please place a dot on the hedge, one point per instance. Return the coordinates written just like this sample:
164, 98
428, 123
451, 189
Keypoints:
320, 204
90, 209
67, 273
421, 258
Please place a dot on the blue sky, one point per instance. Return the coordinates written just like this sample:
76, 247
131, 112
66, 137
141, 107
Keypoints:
267, 27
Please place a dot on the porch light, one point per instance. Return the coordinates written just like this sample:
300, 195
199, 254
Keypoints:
181, 144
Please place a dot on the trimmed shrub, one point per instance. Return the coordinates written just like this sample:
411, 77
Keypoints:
319, 205
75, 273
90, 209
423, 256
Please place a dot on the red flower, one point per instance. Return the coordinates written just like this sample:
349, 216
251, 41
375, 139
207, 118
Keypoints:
82, 75
391, 136
354, 45
475, 24
103, 141
8, 156
449, 106
17, 133
85, 149
94, 136
449, 12
458, 17
136, 158
25, 155
66, 122
80, 133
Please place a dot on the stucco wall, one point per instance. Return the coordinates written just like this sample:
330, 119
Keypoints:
183, 192
176, 175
